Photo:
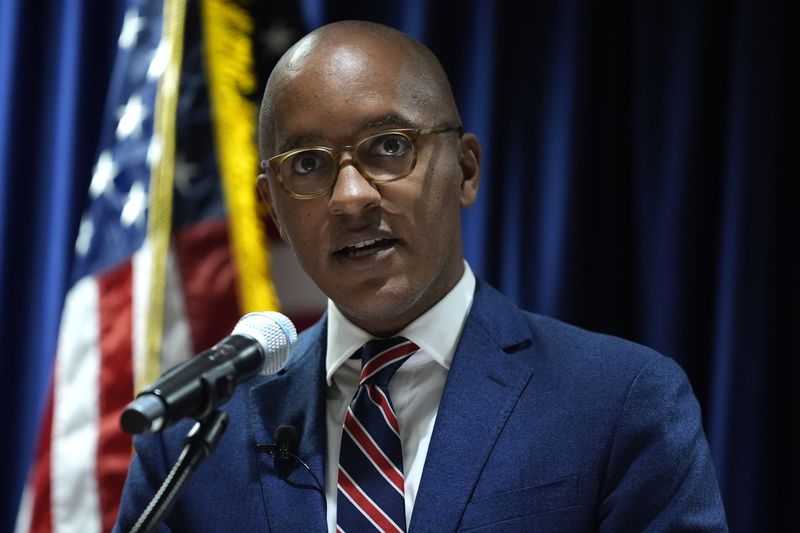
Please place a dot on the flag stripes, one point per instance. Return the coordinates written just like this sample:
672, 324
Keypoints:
115, 387
74, 498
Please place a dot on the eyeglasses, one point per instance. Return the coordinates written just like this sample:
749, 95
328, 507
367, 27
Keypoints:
306, 173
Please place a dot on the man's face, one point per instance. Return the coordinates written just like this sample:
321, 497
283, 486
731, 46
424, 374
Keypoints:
385, 252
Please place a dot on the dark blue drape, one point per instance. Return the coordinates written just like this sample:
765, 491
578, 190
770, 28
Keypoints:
55, 60
640, 177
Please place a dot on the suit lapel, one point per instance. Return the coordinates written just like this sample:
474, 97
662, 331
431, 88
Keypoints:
484, 383
294, 396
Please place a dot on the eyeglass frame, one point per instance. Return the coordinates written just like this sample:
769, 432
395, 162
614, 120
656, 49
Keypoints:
274, 162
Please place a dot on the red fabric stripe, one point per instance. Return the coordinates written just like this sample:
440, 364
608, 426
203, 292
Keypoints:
364, 504
208, 274
41, 520
116, 386
373, 452
382, 402
387, 358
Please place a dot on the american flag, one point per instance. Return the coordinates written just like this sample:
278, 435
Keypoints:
157, 274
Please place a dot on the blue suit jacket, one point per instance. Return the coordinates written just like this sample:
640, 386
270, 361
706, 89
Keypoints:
542, 426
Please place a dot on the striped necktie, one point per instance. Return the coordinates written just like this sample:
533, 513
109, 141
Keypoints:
370, 484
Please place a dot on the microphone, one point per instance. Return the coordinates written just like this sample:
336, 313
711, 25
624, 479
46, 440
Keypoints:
260, 343
284, 452
285, 448
286, 440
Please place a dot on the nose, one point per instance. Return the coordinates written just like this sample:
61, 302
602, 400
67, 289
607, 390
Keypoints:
352, 193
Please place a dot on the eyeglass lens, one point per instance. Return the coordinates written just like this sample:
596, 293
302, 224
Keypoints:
381, 157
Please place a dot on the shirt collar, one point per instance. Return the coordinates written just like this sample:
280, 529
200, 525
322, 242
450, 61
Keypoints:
436, 331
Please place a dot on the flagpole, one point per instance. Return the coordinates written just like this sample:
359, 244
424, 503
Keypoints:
159, 229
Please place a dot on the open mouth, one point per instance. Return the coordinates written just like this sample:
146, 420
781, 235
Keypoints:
365, 248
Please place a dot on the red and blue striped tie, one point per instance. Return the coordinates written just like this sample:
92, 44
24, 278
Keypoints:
371, 488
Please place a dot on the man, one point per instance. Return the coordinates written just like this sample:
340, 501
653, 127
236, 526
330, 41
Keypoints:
504, 420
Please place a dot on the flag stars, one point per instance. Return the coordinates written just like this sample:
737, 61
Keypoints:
104, 173
135, 205
154, 150
159, 62
85, 235
131, 26
131, 116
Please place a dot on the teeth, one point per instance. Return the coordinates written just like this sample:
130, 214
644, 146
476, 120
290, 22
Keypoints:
361, 248
364, 243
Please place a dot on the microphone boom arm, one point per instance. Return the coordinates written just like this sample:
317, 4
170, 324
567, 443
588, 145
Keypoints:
201, 441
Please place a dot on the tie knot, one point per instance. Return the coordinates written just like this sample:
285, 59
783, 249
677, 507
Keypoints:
380, 359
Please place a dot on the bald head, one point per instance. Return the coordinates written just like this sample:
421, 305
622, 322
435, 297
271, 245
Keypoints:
344, 54
383, 242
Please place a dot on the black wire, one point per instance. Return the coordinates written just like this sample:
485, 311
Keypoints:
271, 449
316, 479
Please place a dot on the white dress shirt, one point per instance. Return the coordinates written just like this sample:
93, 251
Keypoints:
415, 389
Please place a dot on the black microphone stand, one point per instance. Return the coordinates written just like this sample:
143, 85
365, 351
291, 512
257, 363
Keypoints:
200, 443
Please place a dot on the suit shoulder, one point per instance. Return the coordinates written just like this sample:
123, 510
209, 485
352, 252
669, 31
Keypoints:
583, 351
566, 347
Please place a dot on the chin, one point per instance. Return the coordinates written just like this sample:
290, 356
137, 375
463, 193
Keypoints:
373, 313
378, 314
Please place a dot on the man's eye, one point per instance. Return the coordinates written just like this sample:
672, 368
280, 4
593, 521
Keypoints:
390, 145
307, 163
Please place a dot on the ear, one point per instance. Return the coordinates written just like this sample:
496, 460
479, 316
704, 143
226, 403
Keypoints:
262, 183
470, 161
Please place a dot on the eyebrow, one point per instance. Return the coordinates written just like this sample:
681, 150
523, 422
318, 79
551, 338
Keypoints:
296, 142
312, 137
390, 119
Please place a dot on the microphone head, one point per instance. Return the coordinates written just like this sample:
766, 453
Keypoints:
274, 332
286, 434
286, 439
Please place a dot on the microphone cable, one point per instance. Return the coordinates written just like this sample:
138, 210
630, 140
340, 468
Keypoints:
283, 451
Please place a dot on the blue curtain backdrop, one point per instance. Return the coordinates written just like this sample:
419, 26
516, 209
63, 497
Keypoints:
640, 177
55, 61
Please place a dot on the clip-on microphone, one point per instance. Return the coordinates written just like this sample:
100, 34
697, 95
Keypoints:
284, 451
286, 440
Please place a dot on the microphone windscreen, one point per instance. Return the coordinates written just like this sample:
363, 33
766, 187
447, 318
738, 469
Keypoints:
287, 435
274, 332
